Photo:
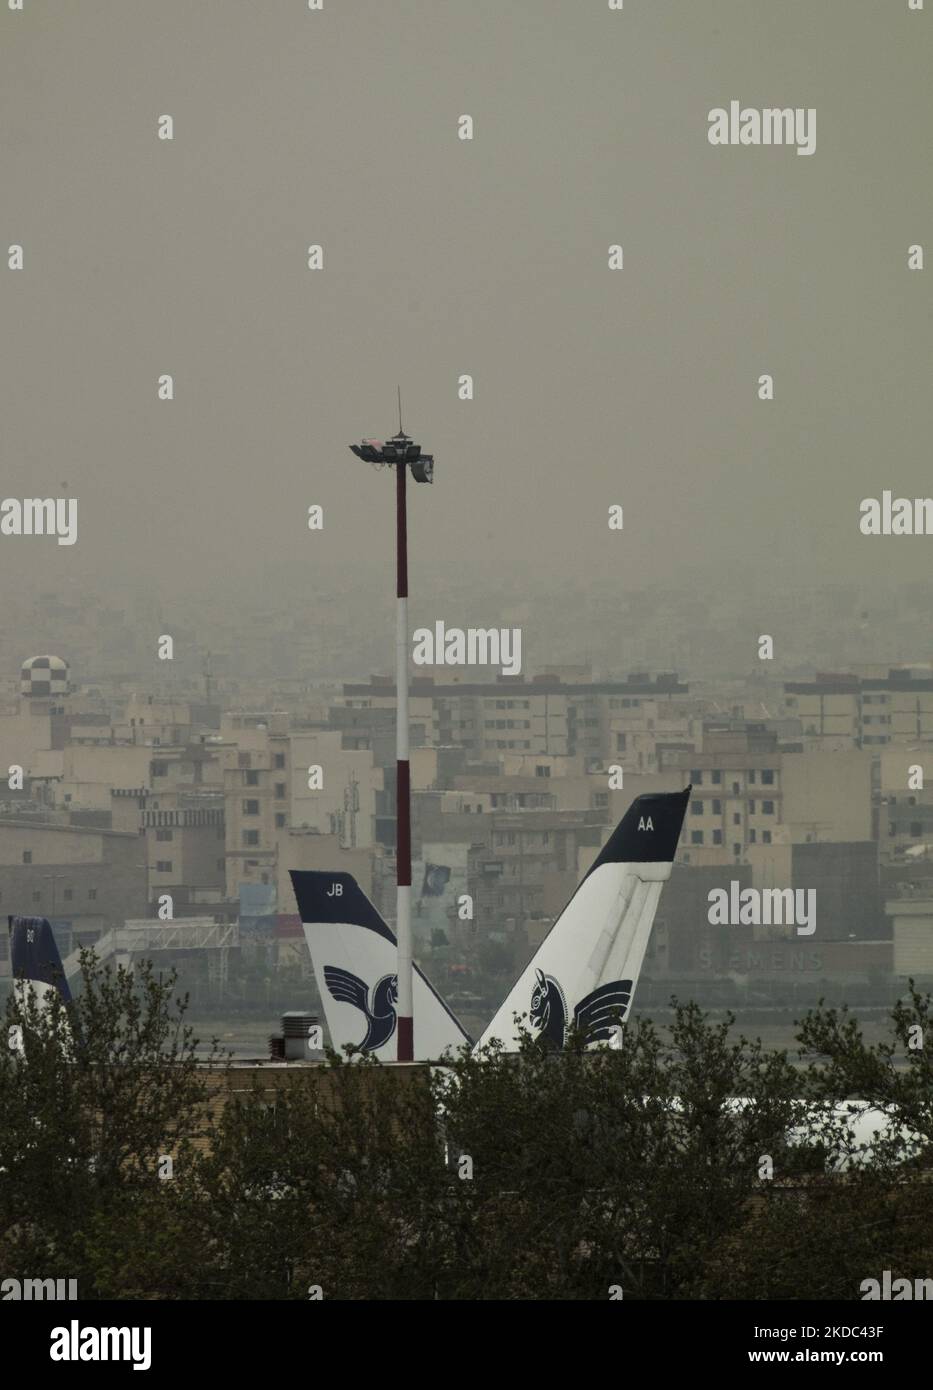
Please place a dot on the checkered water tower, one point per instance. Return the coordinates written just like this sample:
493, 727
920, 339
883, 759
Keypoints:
44, 678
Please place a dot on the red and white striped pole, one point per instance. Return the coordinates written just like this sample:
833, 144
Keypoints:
405, 1009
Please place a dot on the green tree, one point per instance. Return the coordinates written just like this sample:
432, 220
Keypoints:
94, 1095
614, 1166
334, 1181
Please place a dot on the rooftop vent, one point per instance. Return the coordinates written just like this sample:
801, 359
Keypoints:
302, 1035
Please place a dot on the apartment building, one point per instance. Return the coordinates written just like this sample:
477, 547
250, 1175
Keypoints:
846, 710
278, 780
748, 791
905, 818
85, 879
525, 865
185, 839
544, 714
737, 797
148, 719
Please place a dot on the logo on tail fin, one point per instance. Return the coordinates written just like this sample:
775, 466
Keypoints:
600, 1013
548, 1010
597, 1016
348, 988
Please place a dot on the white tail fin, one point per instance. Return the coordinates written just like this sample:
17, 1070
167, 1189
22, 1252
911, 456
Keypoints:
355, 965
585, 971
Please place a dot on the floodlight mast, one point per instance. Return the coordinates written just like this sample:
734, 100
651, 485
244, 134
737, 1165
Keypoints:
401, 452
405, 1006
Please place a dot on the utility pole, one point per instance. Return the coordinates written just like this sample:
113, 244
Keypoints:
400, 453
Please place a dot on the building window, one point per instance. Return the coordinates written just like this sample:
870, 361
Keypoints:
280, 821
736, 818
696, 837
251, 808
251, 779
279, 760
696, 777
751, 837
767, 777
696, 808
717, 837
767, 808
163, 866
751, 776
735, 789
542, 770
163, 834
37, 896
717, 808
766, 837
92, 895
27, 856
280, 791
250, 838
751, 808
159, 769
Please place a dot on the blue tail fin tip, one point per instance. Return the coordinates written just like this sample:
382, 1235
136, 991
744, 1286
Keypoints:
648, 832
34, 953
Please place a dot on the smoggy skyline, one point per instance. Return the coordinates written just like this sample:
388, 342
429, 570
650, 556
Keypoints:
442, 257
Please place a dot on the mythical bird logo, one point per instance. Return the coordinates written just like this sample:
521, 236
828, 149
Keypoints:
597, 1015
348, 988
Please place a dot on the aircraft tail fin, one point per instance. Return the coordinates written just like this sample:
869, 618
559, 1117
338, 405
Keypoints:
584, 973
34, 956
354, 954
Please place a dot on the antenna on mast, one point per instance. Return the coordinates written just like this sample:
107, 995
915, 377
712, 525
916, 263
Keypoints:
400, 430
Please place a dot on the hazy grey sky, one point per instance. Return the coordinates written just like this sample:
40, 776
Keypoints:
444, 257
